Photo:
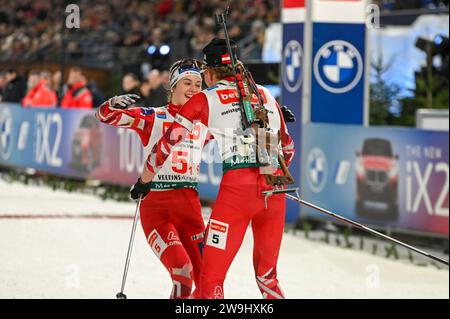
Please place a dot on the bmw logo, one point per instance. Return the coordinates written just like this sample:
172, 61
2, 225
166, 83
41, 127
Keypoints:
5, 133
338, 66
317, 170
292, 61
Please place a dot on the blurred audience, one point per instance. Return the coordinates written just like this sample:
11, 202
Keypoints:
165, 78
78, 95
39, 92
158, 94
30, 29
42, 89
144, 93
127, 32
97, 97
56, 83
15, 87
130, 84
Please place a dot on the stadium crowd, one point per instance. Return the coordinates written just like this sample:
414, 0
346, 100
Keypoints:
31, 29
34, 30
43, 89
116, 32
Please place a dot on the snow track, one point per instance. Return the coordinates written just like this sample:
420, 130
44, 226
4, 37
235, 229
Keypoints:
60, 245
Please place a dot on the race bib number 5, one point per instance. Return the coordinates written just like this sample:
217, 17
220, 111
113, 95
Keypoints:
217, 234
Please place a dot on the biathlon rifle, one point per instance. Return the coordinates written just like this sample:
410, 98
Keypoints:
254, 116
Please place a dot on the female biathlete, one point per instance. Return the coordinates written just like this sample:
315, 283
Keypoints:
171, 212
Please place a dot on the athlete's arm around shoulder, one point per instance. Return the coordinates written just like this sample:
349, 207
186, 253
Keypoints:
120, 111
195, 110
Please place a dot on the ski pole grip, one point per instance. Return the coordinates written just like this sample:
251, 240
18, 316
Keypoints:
280, 191
269, 193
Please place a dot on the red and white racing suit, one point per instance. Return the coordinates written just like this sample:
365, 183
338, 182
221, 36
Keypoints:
240, 200
171, 212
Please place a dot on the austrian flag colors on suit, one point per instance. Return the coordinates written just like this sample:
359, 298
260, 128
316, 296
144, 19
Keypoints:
222, 123
240, 200
182, 166
171, 213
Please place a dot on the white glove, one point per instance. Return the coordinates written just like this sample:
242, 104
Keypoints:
123, 101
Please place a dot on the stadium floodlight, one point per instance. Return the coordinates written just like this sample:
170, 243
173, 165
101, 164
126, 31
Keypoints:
151, 49
164, 50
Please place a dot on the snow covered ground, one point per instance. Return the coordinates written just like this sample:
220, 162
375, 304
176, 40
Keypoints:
82, 257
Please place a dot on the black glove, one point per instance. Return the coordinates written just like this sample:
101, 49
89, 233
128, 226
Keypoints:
289, 117
123, 101
139, 189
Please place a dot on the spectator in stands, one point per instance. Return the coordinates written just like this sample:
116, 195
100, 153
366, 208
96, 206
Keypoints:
97, 95
144, 92
78, 95
39, 92
256, 38
31, 29
164, 7
158, 94
56, 82
15, 87
135, 37
165, 78
130, 84
203, 33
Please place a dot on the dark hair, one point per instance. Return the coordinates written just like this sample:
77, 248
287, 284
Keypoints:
132, 75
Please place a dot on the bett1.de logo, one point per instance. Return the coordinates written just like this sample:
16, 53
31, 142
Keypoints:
338, 66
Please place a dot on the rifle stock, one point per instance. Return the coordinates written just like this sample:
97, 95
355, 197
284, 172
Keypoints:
257, 119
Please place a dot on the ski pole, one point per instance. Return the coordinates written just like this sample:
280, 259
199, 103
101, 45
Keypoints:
121, 295
358, 225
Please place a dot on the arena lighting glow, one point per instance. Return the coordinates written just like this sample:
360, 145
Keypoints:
164, 50
151, 49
